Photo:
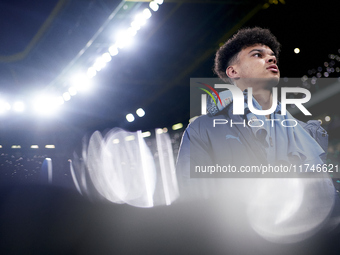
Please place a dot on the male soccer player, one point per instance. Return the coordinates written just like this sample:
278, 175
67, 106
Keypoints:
249, 60
280, 209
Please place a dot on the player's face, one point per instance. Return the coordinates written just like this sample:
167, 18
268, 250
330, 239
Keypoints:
257, 62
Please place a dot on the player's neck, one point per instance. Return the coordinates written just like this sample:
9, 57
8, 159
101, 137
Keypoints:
264, 97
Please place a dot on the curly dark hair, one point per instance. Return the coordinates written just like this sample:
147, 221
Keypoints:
245, 37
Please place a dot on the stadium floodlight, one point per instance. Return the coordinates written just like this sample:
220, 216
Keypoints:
159, 1
46, 105
106, 57
135, 25
140, 112
99, 64
60, 100
146, 13
80, 82
4, 107
66, 96
91, 72
113, 50
123, 39
18, 106
132, 31
130, 117
140, 20
72, 91
153, 6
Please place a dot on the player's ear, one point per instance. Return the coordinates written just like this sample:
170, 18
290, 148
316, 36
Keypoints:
232, 72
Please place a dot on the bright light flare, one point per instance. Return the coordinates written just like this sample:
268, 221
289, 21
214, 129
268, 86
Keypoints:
139, 20
18, 107
72, 91
4, 106
159, 1
99, 64
91, 72
146, 13
124, 39
327, 118
46, 105
106, 57
130, 117
113, 50
296, 50
80, 82
67, 96
154, 6
60, 100
140, 112
132, 31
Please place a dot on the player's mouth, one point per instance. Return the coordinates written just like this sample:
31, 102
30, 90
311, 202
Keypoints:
273, 68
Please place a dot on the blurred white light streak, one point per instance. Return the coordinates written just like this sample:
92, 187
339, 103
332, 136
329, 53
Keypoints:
123, 169
148, 176
168, 170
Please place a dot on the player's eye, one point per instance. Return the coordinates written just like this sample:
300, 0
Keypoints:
257, 55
